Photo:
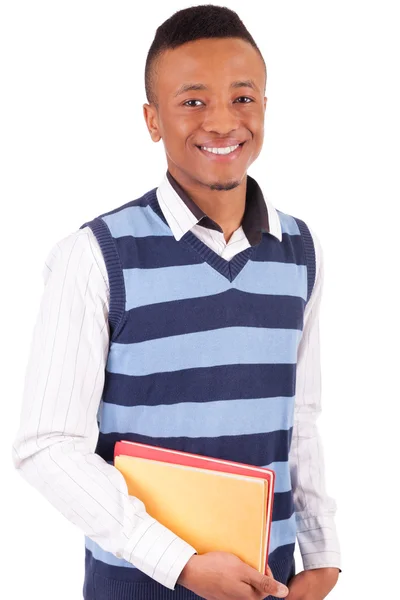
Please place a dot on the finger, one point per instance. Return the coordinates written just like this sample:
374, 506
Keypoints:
255, 594
266, 584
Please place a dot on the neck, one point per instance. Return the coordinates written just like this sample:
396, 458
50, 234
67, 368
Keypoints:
225, 207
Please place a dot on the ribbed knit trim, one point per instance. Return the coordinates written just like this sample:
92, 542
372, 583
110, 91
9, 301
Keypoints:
114, 271
106, 588
228, 268
281, 573
112, 589
309, 251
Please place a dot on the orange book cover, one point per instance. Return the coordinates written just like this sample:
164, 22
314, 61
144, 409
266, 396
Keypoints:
213, 504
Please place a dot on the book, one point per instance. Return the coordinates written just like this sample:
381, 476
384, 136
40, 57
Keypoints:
213, 504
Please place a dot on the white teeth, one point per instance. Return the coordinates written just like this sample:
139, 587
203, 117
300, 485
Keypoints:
226, 150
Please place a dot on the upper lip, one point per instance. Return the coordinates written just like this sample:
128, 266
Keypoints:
221, 143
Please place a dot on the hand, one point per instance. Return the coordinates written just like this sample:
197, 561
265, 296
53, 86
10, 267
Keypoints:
313, 584
224, 576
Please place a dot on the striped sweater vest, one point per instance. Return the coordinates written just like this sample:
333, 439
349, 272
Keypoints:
202, 358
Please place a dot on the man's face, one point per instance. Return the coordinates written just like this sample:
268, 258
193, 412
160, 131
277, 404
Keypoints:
218, 115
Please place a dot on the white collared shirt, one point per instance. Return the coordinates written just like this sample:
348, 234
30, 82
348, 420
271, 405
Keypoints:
65, 378
181, 219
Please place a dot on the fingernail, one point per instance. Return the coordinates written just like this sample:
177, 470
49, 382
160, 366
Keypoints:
282, 591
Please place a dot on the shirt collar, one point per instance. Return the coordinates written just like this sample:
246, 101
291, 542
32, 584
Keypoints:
182, 213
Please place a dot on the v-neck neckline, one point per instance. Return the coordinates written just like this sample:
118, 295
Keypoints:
227, 268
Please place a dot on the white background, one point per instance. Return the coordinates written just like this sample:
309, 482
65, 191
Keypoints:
74, 144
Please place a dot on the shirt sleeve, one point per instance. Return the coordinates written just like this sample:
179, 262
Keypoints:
54, 447
314, 509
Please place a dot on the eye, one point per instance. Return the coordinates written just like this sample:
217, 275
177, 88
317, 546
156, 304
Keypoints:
186, 103
246, 97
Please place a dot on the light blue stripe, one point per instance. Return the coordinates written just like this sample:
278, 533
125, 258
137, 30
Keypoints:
165, 284
282, 532
282, 482
288, 224
276, 278
194, 419
229, 346
140, 221
105, 557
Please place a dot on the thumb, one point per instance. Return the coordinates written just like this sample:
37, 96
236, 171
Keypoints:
267, 584
269, 572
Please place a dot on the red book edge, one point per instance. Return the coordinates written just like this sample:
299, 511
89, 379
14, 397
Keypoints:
127, 448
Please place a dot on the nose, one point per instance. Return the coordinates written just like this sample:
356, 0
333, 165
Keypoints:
221, 118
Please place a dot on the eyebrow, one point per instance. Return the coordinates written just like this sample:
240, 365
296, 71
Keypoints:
187, 87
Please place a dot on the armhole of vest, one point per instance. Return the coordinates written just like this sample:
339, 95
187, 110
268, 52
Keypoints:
116, 282
309, 251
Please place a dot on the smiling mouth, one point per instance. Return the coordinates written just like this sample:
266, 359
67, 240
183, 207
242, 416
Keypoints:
221, 148
222, 154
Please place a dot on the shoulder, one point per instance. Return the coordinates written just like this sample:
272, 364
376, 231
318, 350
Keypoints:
311, 244
295, 226
78, 251
141, 201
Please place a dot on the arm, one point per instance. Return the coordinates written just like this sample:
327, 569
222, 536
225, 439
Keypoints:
315, 510
54, 447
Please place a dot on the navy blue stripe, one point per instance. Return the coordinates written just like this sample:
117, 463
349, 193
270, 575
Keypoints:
282, 564
124, 583
233, 307
256, 449
155, 251
225, 382
283, 505
107, 588
114, 572
289, 250
151, 252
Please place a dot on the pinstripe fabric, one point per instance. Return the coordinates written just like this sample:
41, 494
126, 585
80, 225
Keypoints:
239, 339
64, 382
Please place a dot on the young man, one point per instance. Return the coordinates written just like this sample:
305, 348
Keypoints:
187, 318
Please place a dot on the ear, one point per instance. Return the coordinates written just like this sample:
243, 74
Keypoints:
151, 118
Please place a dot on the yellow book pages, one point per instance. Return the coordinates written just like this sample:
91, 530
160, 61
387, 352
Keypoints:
210, 510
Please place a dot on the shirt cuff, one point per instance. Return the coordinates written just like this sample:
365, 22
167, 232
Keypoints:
318, 542
180, 563
157, 551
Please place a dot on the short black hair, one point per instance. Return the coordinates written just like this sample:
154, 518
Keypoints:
189, 24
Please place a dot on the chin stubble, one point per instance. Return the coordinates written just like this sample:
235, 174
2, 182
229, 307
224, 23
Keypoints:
224, 186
